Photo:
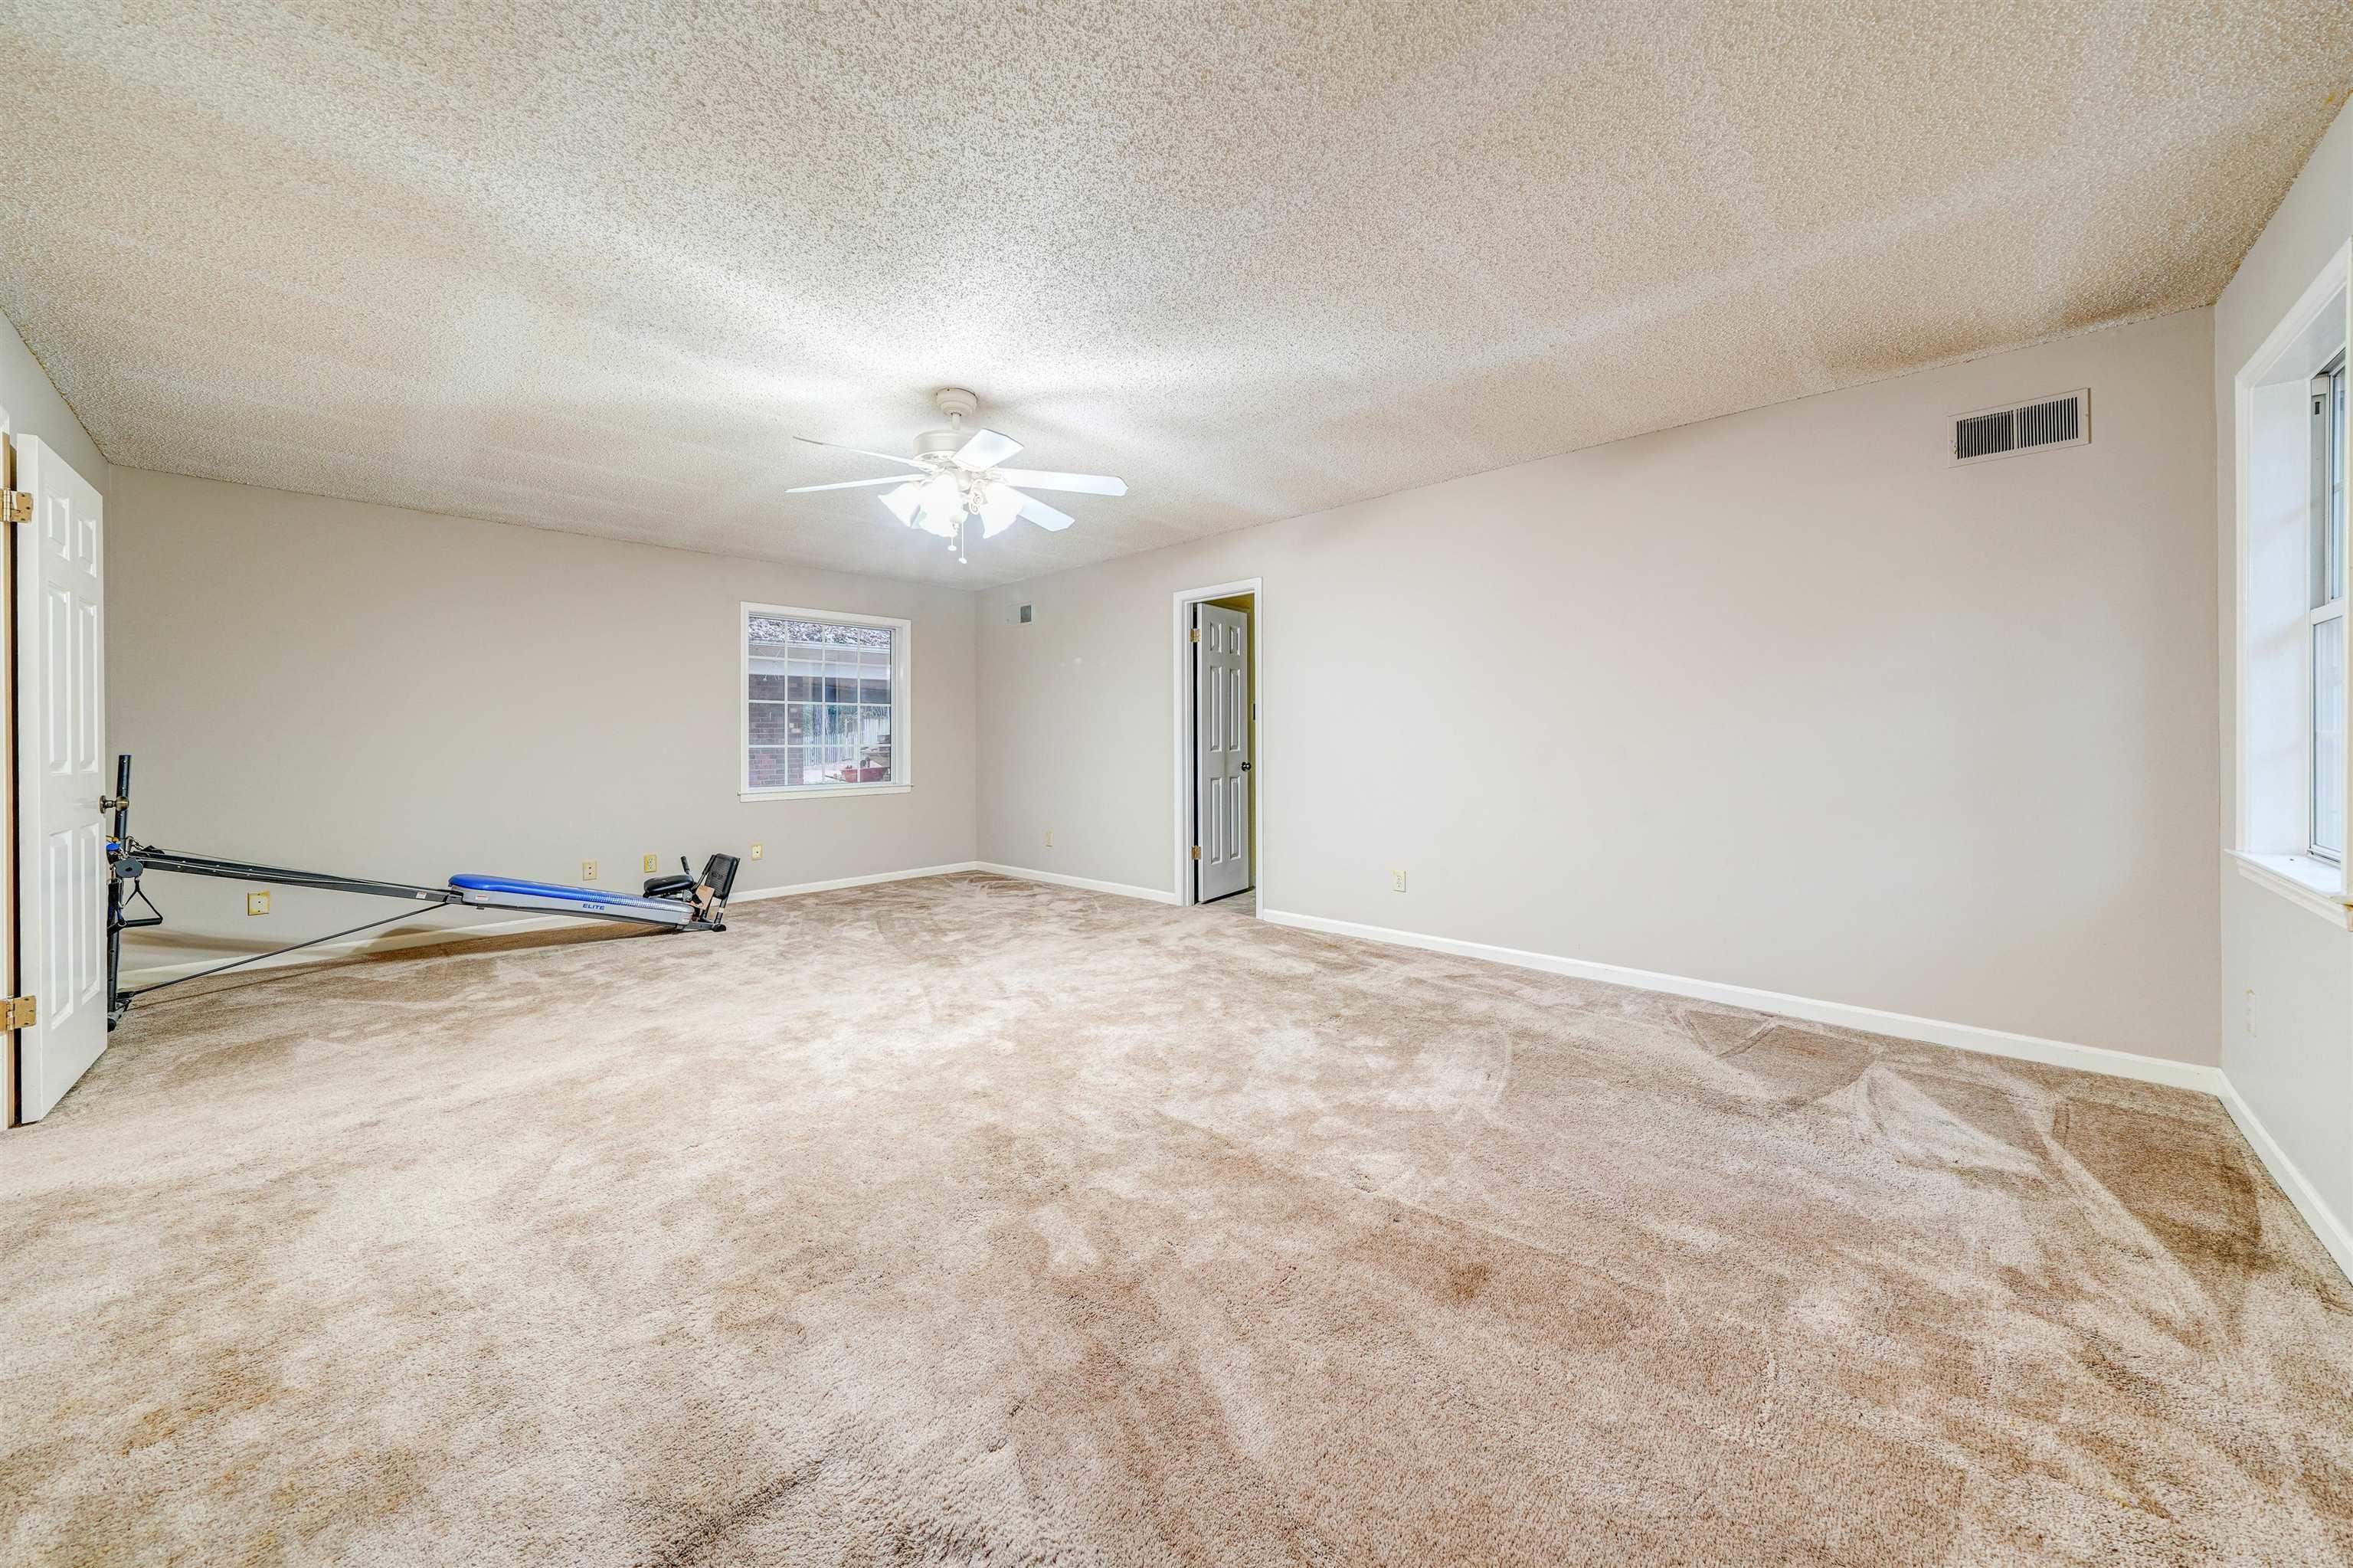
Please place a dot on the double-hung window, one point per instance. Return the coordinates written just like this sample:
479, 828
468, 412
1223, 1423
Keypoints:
825, 703
2326, 617
2287, 465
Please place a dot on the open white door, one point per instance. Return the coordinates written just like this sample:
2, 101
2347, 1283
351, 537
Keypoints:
60, 720
1221, 759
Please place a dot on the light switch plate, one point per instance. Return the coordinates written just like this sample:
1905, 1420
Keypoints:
257, 903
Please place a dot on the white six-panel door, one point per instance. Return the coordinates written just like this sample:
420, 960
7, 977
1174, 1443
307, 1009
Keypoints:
60, 741
1221, 794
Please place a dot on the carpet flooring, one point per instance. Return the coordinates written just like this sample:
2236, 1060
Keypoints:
973, 1221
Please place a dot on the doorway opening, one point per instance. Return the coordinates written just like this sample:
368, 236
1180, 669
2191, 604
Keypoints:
1219, 828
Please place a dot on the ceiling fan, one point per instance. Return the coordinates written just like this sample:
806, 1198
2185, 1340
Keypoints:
957, 478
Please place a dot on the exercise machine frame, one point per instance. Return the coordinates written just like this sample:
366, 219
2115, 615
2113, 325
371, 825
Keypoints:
675, 902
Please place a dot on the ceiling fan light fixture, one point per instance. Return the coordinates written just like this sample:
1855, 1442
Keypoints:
939, 505
903, 501
999, 505
958, 478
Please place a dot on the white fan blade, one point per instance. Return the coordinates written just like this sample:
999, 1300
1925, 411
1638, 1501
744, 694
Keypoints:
849, 484
903, 501
986, 448
861, 452
1043, 516
1088, 483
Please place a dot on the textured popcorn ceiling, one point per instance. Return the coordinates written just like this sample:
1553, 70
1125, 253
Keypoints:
591, 271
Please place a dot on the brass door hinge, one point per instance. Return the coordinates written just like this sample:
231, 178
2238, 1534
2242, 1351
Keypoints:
1196, 851
19, 1012
18, 507
1197, 634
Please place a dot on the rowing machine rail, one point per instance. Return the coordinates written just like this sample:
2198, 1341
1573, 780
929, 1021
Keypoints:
683, 904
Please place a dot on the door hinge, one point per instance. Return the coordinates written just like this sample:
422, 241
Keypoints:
1197, 634
20, 1012
18, 507
1196, 851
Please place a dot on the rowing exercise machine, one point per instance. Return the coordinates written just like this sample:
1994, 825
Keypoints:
677, 903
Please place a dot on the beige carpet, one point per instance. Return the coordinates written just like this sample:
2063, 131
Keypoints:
969, 1220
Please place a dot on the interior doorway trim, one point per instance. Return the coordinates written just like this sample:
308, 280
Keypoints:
1180, 689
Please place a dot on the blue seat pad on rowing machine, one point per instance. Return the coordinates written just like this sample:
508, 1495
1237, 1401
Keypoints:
472, 882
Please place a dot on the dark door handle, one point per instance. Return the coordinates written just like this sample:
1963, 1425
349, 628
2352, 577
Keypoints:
1245, 767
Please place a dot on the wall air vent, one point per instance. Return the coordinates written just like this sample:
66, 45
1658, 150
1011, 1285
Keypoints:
2062, 421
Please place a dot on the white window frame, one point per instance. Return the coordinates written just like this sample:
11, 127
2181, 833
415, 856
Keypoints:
902, 705
2326, 592
2276, 716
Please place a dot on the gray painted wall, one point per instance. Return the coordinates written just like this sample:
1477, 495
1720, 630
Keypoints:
2295, 1069
1779, 700
333, 684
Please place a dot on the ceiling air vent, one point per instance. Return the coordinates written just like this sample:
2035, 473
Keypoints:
2062, 421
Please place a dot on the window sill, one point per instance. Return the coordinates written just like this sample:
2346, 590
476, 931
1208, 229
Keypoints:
814, 791
2309, 883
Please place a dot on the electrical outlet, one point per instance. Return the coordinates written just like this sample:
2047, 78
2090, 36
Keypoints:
2250, 1012
653, 863
587, 871
758, 850
1049, 838
259, 903
1396, 882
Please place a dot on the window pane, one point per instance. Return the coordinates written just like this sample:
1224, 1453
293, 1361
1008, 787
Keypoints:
769, 677
2336, 485
769, 723
2329, 737
819, 701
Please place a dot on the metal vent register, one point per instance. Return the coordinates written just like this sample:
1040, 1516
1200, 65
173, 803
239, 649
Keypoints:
2064, 421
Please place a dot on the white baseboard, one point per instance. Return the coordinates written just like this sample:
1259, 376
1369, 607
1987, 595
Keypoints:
1157, 894
434, 936
1934, 1030
2331, 1230
753, 894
